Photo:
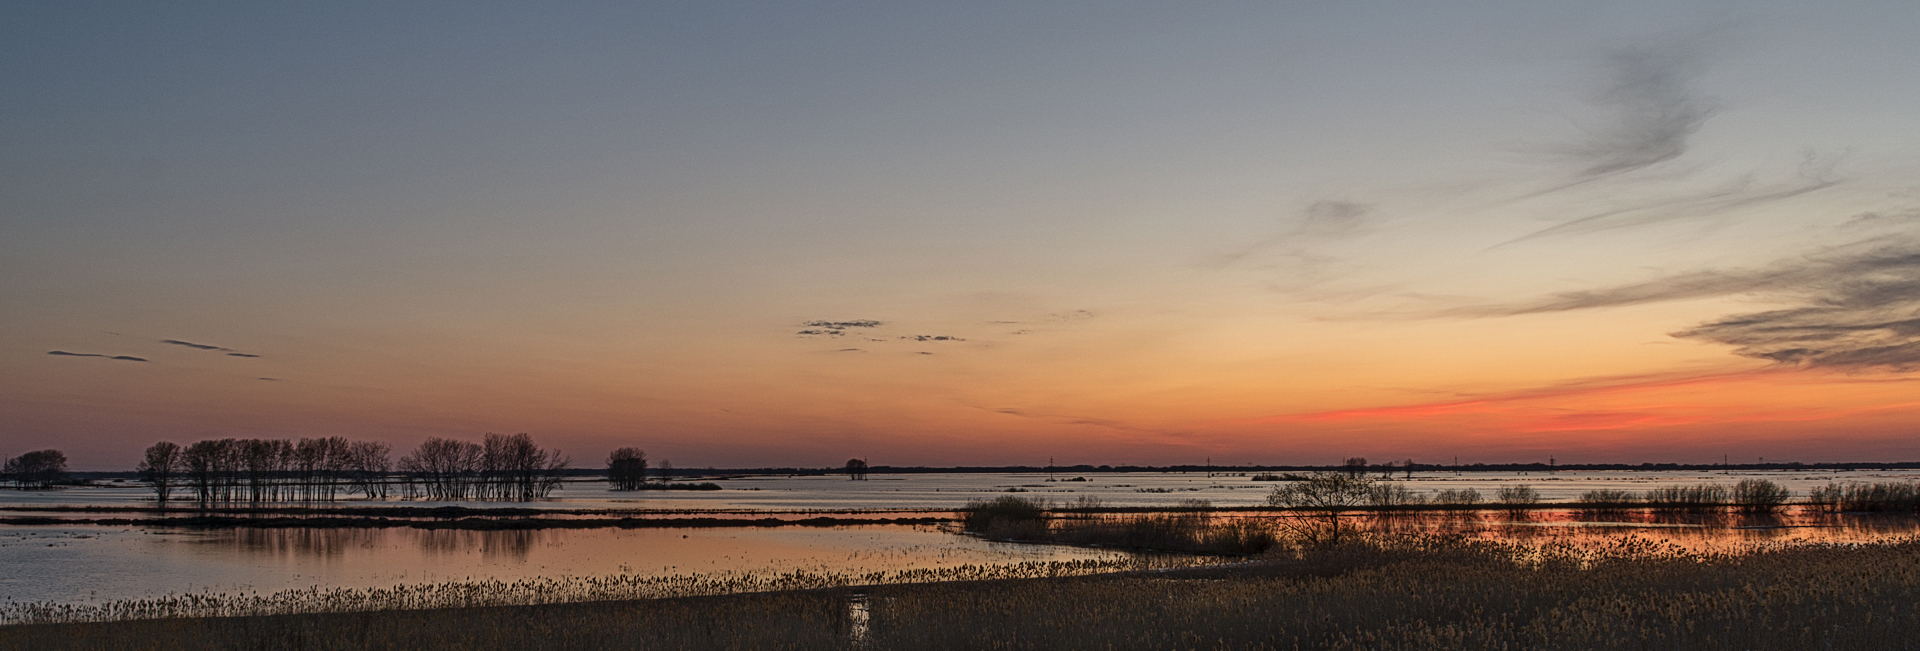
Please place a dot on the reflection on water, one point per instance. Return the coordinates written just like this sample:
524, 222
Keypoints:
859, 618
489, 546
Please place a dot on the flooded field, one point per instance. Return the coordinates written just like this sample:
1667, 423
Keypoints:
87, 563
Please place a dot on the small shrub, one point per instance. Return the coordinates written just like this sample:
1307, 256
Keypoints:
1393, 495
1697, 498
1881, 496
1825, 498
1457, 497
1007, 517
1606, 500
1520, 495
1759, 496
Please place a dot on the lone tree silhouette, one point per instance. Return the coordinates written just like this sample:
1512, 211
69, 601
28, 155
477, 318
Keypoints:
1355, 466
857, 469
627, 469
1322, 496
161, 469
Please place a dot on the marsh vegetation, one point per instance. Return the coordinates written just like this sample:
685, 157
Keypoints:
1192, 528
1377, 593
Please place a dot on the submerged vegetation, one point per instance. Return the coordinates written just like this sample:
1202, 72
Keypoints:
1390, 593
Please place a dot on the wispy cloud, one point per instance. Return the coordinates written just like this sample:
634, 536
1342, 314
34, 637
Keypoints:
1137, 433
1814, 173
127, 358
1650, 104
1861, 311
209, 347
1855, 307
190, 344
1601, 403
1318, 223
834, 328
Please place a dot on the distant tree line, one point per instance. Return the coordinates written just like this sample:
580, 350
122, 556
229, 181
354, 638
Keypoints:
41, 469
229, 471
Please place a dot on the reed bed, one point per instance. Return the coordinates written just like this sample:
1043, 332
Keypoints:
1867, 497
1190, 529
1449, 595
1703, 497
1422, 592
551, 590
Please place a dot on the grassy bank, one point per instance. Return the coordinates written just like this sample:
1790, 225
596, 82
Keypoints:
1417, 593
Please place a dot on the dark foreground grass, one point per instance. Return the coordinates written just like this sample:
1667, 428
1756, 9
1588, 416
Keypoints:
1422, 593
794, 620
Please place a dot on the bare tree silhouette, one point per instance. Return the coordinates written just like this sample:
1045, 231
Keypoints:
161, 469
627, 469
37, 470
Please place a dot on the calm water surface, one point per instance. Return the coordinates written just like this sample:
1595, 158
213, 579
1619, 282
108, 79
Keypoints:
953, 490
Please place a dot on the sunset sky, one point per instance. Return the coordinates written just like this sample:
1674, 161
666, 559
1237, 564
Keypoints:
748, 234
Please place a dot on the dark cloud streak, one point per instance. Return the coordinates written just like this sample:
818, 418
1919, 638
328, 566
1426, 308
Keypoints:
190, 344
834, 328
128, 358
222, 349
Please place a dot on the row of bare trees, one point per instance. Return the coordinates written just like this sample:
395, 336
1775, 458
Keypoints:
500, 467
267, 470
254, 471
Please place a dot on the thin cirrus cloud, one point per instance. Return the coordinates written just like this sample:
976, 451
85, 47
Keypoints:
1320, 222
1651, 110
1815, 173
124, 358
